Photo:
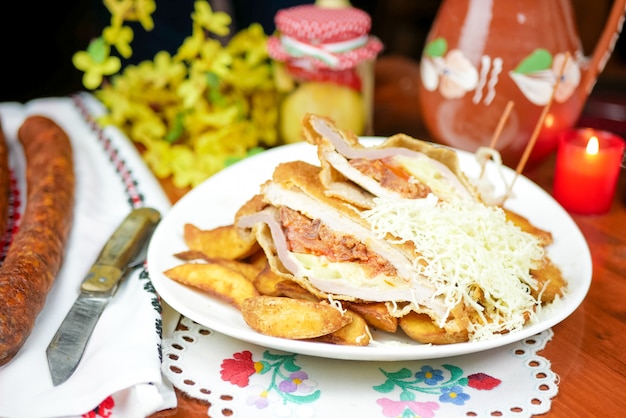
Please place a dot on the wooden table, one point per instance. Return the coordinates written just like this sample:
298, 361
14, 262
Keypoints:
587, 350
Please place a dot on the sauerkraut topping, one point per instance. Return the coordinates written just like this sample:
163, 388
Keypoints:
470, 253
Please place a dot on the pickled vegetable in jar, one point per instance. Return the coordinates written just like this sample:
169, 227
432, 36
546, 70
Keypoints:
324, 64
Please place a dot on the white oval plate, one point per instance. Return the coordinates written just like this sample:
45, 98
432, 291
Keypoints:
215, 201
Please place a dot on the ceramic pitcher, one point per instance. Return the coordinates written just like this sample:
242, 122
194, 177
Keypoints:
482, 54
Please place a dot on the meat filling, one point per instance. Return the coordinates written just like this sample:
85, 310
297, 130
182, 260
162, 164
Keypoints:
391, 177
307, 236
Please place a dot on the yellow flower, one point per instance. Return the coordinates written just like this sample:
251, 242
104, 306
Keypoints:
192, 114
118, 10
250, 68
214, 22
214, 58
132, 11
186, 169
191, 90
248, 77
159, 155
218, 118
120, 37
96, 63
119, 105
250, 43
191, 45
264, 115
165, 71
142, 12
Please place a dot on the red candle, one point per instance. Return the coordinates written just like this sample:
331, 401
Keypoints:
587, 167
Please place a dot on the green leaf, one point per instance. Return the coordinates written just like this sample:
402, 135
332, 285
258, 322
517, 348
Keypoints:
403, 373
540, 59
270, 356
98, 50
255, 150
177, 129
386, 387
405, 395
455, 372
436, 48
290, 365
298, 400
214, 94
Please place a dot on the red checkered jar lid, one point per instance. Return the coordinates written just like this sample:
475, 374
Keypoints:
336, 38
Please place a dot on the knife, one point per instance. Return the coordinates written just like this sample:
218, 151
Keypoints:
124, 251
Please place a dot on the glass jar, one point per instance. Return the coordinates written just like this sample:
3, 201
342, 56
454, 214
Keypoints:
324, 64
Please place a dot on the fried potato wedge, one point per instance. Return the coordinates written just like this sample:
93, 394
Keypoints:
421, 328
293, 290
295, 319
545, 237
223, 242
258, 259
355, 333
191, 255
224, 283
250, 271
551, 281
376, 315
266, 281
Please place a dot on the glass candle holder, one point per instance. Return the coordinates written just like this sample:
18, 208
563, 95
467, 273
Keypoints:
588, 164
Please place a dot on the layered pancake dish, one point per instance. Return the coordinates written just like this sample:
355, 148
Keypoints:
400, 224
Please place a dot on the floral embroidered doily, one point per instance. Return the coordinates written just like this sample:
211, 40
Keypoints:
239, 379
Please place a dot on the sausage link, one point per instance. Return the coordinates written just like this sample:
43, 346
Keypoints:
36, 252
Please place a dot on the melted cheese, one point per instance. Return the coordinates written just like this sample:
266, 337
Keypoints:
348, 278
324, 269
466, 248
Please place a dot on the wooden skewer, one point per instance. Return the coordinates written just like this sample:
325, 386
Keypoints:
533, 138
497, 132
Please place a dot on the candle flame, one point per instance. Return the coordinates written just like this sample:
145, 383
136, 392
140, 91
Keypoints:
549, 120
593, 145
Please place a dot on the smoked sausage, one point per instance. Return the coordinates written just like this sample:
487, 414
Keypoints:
38, 247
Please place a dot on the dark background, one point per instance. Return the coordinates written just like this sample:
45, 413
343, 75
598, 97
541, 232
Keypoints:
40, 37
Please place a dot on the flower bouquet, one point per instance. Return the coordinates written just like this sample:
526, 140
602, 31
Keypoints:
191, 114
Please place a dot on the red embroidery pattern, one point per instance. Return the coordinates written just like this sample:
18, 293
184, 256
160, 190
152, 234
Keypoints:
135, 198
237, 370
104, 410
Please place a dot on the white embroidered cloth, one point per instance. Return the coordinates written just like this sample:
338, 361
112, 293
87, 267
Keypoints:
120, 370
244, 380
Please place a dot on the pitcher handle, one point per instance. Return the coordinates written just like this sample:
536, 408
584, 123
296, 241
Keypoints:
606, 44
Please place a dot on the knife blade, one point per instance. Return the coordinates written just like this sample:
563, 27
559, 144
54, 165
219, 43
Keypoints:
123, 251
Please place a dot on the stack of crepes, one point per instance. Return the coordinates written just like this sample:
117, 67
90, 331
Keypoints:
400, 223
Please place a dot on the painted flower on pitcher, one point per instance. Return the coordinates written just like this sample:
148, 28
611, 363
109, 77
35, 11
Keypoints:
449, 71
537, 74
569, 80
